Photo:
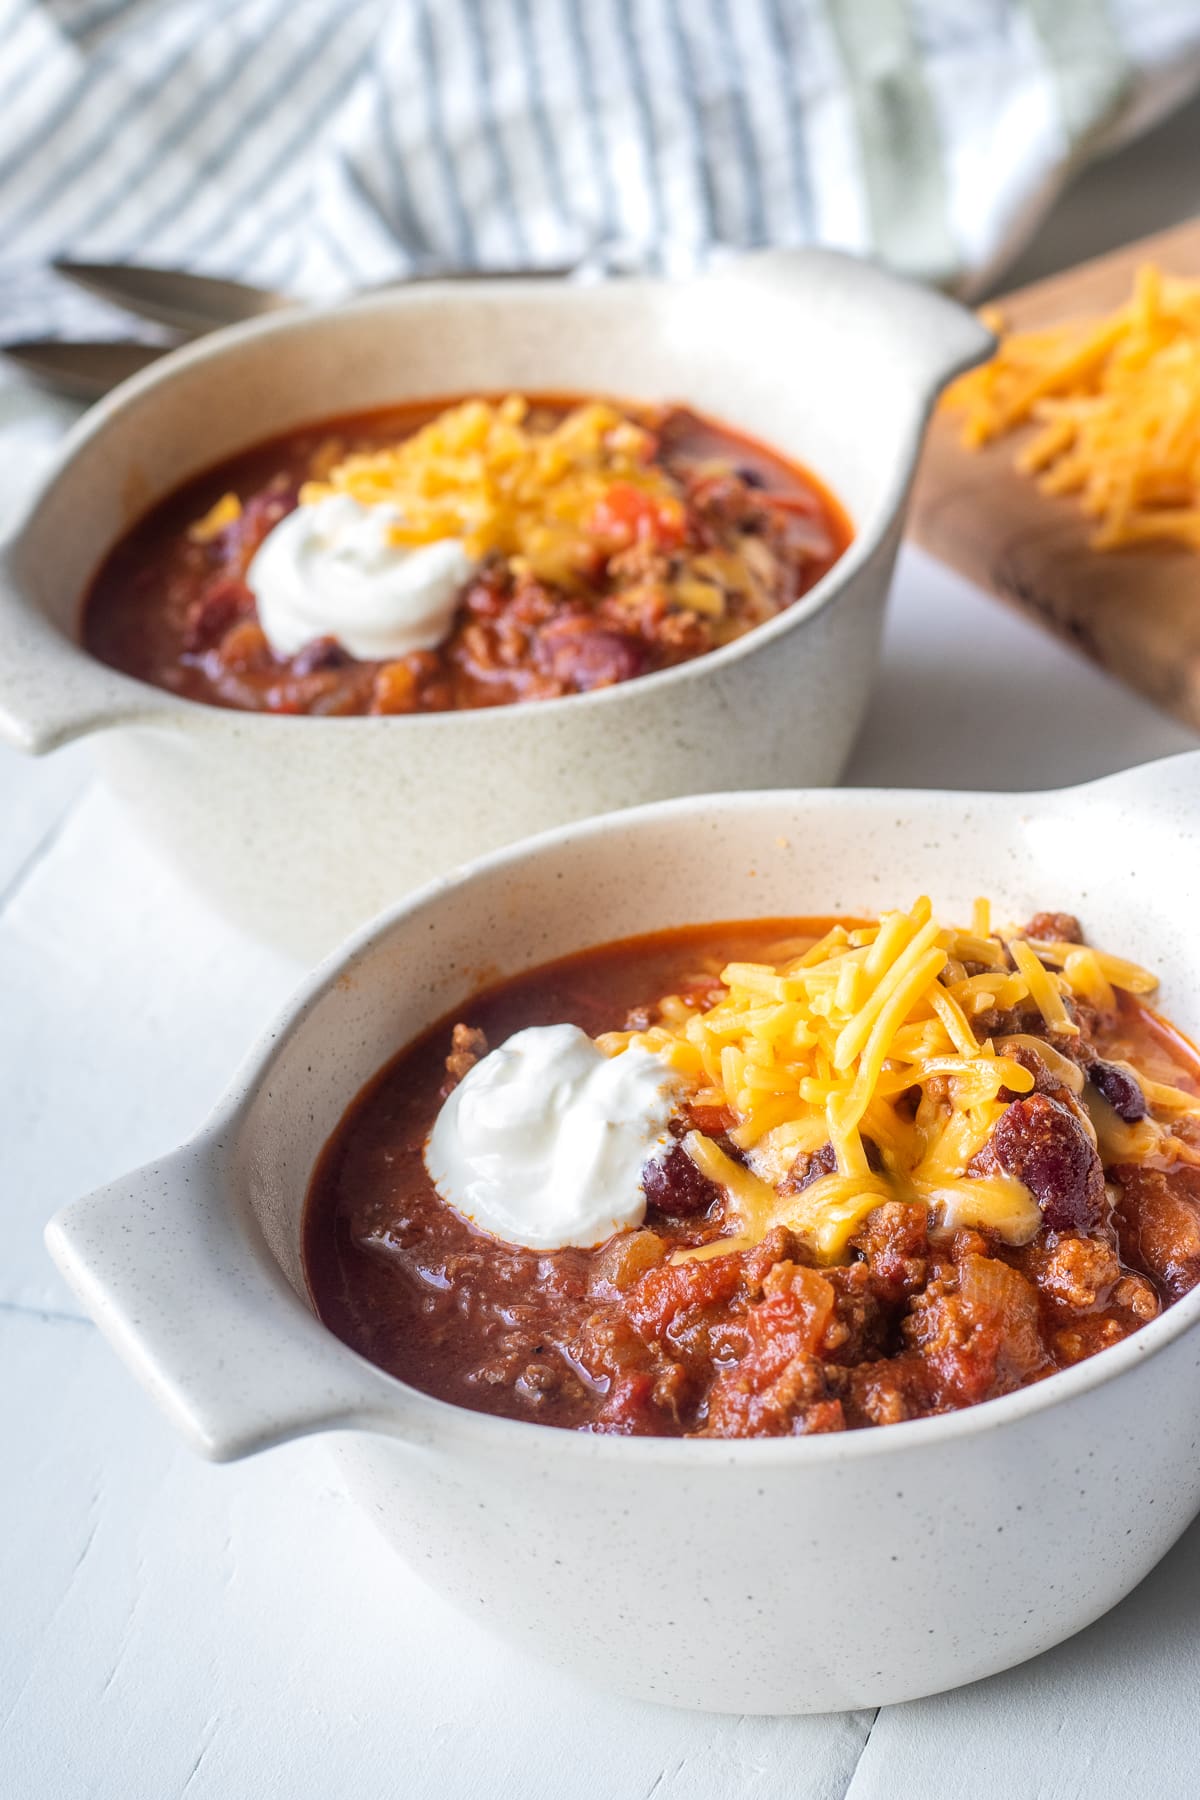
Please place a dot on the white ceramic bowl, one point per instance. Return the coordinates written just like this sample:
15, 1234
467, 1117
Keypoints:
302, 828
763, 1576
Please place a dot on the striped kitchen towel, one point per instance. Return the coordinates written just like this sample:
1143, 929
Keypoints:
320, 145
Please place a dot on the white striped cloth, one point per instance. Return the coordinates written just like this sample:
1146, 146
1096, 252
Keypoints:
320, 145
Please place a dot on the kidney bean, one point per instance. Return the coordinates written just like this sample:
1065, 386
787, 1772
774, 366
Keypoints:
1120, 1089
589, 656
1044, 1145
676, 1186
321, 653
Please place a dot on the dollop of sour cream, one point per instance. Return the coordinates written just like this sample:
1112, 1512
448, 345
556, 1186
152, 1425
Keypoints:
544, 1141
332, 570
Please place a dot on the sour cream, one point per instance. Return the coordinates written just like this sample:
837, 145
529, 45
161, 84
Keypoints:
332, 570
544, 1141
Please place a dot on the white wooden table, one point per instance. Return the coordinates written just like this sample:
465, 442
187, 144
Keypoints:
168, 1627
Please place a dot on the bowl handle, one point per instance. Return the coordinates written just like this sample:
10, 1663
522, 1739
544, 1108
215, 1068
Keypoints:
929, 336
51, 690
189, 1296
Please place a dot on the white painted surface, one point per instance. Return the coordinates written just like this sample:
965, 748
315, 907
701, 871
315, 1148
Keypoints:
166, 1626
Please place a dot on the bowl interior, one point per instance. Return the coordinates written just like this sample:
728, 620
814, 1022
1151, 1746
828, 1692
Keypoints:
815, 365
1114, 853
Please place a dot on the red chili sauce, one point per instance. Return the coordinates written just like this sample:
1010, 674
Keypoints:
177, 611
757, 1343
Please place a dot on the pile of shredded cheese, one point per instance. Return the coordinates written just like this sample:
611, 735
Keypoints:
1118, 403
479, 473
837, 1044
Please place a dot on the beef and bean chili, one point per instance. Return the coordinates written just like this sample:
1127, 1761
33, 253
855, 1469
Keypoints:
597, 542
1020, 1190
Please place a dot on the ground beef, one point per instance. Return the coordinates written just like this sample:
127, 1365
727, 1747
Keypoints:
894, 1244
811, 1166
468, 1045
1158, 1215
1043, 1081
977, 1332
859, 1327
1076, 1272
808, 1167
1055, 928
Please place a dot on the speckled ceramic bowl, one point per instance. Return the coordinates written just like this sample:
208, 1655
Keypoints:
797, 1575
302, 828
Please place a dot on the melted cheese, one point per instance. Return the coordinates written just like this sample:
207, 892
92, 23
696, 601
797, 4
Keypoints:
867, 1035
1119, 1140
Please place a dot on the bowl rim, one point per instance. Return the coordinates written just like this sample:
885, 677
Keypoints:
496, 1431
129, 696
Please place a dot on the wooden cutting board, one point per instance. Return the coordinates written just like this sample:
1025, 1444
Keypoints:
1136, 611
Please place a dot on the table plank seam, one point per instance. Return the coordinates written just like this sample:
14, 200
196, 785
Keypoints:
49, 1315
849, 1793
41, 850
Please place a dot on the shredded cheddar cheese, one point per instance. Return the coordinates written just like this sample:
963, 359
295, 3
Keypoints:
479, 473
227, 511
867, 1036
1118, 403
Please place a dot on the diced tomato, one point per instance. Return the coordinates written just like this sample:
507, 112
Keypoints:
628, 515
711, 1120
